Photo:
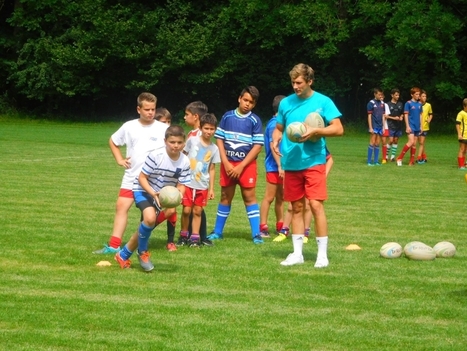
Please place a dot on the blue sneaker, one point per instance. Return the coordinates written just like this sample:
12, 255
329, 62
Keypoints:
377, 164
107, 250
370, 164
215, 236
258, 239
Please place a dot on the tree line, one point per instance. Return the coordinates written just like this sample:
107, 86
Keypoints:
91, 58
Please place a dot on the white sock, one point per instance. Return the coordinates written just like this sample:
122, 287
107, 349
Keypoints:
322, 243
297, 241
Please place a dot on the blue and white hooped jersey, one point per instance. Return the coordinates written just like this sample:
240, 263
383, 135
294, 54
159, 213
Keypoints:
239, 133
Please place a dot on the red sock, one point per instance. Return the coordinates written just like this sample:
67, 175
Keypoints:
279, 226
385, 152
461, 161
423, 156
160, 218
115, 242
263, 227
404, 150
413, 149
173, 219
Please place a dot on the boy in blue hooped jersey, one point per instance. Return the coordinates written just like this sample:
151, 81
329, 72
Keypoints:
375, 108
239, 138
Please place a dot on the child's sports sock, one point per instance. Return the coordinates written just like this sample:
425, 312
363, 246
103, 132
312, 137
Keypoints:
279, 226
297, 242
393, 150
413, 149
423, 156
125, 254
376, 154
223, 212
160, 218
171, 222
369, 154
252, 212
322, 243
144, 232
404, 150
385, 151
203, 229
194, 237
461, 162
263, 226
115, 242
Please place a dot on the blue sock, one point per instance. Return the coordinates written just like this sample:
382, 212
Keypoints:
223, 212
376, 153
252, 212
125, 253
370, 151
144, 232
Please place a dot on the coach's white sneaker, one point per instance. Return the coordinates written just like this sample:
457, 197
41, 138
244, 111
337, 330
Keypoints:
292, 259
321, 262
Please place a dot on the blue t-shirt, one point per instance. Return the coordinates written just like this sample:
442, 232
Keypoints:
300, 156
269, 161
239, 133
376, 108
414, 109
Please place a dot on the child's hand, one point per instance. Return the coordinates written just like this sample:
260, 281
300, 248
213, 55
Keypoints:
211, 195
125, 163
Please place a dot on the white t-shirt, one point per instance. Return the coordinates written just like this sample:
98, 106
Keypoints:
200, 156
140, 140
162, 170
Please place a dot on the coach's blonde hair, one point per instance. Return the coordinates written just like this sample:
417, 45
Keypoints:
302, 70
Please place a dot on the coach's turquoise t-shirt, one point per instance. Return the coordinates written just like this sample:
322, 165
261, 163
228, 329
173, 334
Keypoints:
299, 156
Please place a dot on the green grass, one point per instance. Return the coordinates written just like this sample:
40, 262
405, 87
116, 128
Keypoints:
58, 187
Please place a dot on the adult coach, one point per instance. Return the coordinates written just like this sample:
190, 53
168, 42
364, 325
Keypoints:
304, 162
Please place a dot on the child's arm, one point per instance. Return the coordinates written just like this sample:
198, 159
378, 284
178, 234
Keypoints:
143, 181
370, 125
212, 175
236, 171
278, 161
116, 152
458, 128
406, 118
225, 162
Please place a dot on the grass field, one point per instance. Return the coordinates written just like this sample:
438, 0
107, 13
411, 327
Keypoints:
58, 189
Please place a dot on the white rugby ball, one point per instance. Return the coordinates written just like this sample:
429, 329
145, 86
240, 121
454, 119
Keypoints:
391, 250
418, 251
314, 120
412, 243
294, 131
444, 249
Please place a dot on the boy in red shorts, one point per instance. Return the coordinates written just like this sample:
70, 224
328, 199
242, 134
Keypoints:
274, 177
203, 156
239, 139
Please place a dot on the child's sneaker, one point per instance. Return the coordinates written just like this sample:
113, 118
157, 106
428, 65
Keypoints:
284, 232
293, 259
171, 247
399, 162
215, 236
182, 241
265, 233
123, 263
258, 239
144, 261
207, 242
195, 243
107, 250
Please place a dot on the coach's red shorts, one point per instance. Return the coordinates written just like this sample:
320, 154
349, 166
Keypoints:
310, 182
273, 178
246, 180
195, 197
125, 193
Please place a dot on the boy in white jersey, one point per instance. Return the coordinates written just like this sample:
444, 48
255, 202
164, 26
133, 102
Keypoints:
140, 136
203, 156
193, 112
168, 166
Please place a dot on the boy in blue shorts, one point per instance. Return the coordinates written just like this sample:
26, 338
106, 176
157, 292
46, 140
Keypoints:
413, 123
168, 166
304, 162
395, 120
203, 155
140, 136
375, 108
274, 177
239, 139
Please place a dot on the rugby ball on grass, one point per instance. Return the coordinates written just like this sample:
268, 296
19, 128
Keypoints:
170, 197
295, 130
418, 251
391, 250
444, 249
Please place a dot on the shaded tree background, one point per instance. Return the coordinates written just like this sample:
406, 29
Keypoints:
89, 59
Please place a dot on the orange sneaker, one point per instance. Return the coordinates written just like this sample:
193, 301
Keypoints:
123, 263
171, 247
144, 261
